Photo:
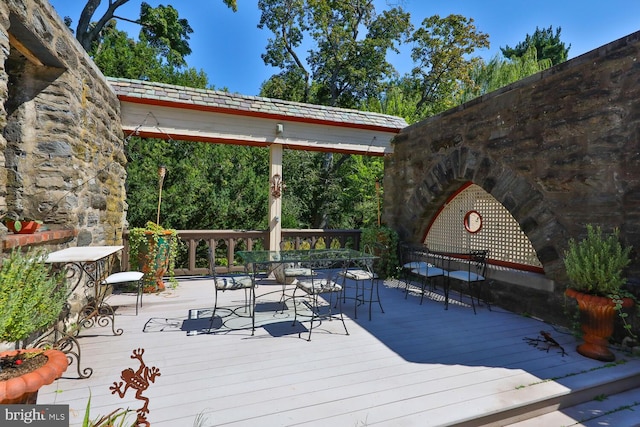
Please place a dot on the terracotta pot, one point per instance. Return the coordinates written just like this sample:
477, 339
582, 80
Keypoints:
24, 389
597, 316
28, 227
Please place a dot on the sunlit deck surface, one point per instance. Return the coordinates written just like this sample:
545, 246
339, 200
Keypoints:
414, 365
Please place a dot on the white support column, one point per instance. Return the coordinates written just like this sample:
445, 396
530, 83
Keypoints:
276, 181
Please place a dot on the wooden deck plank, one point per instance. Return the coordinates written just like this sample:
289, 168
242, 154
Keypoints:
412, 363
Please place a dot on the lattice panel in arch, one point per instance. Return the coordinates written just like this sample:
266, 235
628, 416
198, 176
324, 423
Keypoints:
500, 233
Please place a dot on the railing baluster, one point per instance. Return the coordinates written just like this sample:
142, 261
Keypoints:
193, 245
231, 238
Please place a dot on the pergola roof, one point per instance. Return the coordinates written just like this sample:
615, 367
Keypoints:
160, 110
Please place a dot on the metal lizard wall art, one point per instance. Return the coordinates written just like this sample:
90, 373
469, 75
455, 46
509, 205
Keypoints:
545, 342
139, 381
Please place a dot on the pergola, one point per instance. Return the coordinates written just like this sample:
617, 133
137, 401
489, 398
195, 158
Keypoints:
156, 110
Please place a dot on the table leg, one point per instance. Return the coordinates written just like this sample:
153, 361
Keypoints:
97, 311
60, 339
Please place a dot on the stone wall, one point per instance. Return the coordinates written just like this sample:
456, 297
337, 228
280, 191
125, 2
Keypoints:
559, 149
61, 143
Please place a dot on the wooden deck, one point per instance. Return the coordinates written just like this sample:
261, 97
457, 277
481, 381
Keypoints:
414, 365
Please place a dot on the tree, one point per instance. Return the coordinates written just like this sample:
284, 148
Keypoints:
398, 99
286, 19
500, 72
207, 186
344, 65
290, 85
165, 31
547, 44
342, 196
163, 23
441, 54
117, 55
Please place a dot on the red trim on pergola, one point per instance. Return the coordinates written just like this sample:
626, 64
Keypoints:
237, 112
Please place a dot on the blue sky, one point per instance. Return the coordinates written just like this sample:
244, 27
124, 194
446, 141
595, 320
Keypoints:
228, 45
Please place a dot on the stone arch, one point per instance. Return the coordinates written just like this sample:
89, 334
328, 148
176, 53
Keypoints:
445, 175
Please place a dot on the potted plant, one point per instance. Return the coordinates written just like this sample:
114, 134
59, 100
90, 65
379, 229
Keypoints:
31, 299
595, 267
153, 250
22, 226
19, 225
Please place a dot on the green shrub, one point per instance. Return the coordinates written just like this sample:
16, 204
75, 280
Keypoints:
595, 264
388, 263
30, 296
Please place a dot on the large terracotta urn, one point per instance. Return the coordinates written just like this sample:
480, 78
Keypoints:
597, 315
24, 389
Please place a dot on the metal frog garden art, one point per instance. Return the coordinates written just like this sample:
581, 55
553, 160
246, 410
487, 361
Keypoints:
139, 381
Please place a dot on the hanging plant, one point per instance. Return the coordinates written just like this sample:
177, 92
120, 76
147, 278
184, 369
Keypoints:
153, 250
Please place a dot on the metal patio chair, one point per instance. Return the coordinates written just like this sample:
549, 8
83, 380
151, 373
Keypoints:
411, 258
474, 275
233, 282
127, 277
365, 278
429, 269
326, 280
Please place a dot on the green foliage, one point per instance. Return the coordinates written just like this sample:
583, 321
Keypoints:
329, 191
547, 45
290, 85
442, 49
117, 418
499, 72
31, 296
388, 238
117, 55
207, 186
162, 25
595, 264
145, 244
347, 61
398, 99
166, 32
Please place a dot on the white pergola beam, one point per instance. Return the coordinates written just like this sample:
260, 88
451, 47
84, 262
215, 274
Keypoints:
156, 110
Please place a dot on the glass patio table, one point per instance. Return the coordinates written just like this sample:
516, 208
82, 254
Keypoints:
263, 259
255, 259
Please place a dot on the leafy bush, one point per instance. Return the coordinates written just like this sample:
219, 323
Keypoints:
388, 263
595, 264
30, 296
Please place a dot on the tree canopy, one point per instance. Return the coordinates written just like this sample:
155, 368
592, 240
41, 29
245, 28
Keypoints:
326, 52
547, 44
442, 60
162, 23
348, 58
499, 72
